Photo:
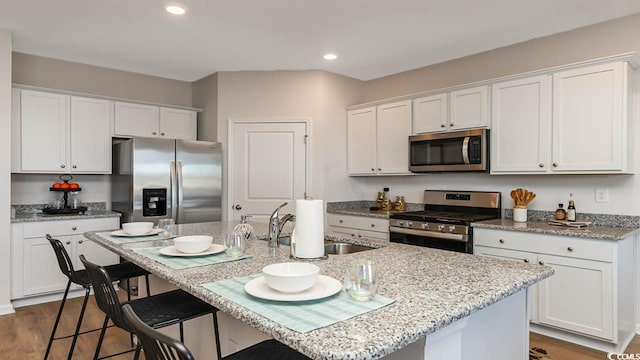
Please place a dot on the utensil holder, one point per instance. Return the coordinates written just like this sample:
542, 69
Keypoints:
520, 214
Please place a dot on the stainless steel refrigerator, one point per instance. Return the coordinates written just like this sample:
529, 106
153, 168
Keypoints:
161, 178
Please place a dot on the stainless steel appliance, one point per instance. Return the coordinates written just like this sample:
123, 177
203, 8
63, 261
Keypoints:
162, 178
445, 221
452, 151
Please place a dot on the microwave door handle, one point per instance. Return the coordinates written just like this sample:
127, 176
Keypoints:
465, 150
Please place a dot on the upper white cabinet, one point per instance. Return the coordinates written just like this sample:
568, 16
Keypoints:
377, 139
455, 110
55, 133
573, 121
153, 121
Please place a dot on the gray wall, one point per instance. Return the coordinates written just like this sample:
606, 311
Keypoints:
5, 171
205, 96
64, 75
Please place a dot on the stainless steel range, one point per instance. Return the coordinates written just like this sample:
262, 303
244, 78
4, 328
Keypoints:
445, 221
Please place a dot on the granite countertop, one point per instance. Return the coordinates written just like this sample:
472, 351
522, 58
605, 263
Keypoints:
542, 227
365, 212
89, 214
436, 289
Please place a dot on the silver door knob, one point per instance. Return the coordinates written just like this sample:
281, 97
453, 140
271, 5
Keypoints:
238, 207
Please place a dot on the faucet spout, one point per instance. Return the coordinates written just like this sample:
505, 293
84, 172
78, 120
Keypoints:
275, 227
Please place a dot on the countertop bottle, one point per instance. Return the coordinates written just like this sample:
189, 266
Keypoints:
571, 210
380, 199
245, 229
400, 204
561, 213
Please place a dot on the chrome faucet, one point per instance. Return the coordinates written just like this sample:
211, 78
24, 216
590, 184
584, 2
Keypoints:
276, 224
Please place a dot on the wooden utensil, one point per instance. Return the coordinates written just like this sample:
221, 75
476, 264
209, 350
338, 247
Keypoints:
522, 197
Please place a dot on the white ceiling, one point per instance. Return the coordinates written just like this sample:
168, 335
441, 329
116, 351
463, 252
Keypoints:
372, 38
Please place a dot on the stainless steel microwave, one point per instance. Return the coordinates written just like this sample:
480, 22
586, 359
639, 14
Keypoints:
451, 151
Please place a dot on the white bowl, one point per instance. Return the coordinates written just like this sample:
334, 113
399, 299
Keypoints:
291, 277
192, 244
137, 228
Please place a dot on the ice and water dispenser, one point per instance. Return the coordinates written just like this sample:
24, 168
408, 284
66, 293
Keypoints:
154, 202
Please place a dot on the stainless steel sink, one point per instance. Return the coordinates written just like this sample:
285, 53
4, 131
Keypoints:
332, 247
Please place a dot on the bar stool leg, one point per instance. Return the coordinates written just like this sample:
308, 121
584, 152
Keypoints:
217, 335
104, 329
75, 334
55, 325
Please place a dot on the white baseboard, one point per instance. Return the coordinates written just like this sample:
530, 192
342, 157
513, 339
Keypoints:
33, 300
6, 309
593, 343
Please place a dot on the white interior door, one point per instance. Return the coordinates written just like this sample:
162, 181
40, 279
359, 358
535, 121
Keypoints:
267, 167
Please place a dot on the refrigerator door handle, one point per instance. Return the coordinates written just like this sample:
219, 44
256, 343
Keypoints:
174, 191
180, 192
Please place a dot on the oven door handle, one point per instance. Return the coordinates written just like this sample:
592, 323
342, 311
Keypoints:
439, 235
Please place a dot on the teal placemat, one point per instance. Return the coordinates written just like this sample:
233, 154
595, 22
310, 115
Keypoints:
300, 316
131, 239
178, 263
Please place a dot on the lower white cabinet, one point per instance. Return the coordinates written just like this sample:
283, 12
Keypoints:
590, 292
359, 226
34, 266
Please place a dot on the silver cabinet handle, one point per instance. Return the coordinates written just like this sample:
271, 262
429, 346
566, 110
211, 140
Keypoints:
379, 169
541, 165
153, 133
74, 228
541, 262
373, 225
372, 169
570, 249
74, 166
526, 260
63, 166
452, 124
353, 234
359, 235
79, 241
162, 134
340, 221
555, 164
238, 207
501, 241
442, 125
67, 242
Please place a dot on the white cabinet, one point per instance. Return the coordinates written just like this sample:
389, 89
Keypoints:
153, 121
589, 292
359, 226
55, 133
456, 110
378, 139
574, 121
35, 269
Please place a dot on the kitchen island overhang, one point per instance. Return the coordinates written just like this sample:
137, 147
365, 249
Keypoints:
449, 298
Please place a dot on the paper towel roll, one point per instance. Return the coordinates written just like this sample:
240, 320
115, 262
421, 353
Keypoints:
309, 231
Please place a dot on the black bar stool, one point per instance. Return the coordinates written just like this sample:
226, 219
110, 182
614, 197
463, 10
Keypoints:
122, 271
158, 346
157, 311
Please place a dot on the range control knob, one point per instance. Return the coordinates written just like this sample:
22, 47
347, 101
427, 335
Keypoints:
401, 223
425, 225
452, 228
440, 227
409, 224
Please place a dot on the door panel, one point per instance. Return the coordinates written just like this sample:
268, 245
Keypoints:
267, 167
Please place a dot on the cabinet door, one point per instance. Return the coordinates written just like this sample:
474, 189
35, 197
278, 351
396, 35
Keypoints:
178, 124
44, 129
91, 121
361, 141
578, 297
136, 120
394, 128
469, 108
430, 114
521, 125
41, 273
588, 117
94, 253
520, 256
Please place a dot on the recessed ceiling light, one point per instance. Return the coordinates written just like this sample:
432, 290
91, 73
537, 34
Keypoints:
330, 56
175, 9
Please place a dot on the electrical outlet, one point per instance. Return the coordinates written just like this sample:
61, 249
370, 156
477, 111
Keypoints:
602, 195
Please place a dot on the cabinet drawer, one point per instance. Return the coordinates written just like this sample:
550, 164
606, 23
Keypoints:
359, 222
546, 244
68, 227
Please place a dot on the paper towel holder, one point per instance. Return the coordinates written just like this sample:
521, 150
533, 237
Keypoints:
292, 250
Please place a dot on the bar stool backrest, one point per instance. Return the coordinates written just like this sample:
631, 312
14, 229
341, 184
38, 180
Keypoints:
105, 294
64, 261
156, 345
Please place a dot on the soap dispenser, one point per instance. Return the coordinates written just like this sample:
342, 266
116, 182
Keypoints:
245, 229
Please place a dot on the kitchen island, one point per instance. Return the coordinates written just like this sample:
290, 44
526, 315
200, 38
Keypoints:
466, 307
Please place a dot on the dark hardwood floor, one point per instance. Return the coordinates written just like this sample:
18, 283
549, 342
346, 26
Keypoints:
24, 335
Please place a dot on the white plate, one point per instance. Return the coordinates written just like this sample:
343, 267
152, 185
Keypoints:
172, 251
122, 233
324, 287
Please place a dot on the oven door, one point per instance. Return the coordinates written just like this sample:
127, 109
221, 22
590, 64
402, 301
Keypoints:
431, 239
